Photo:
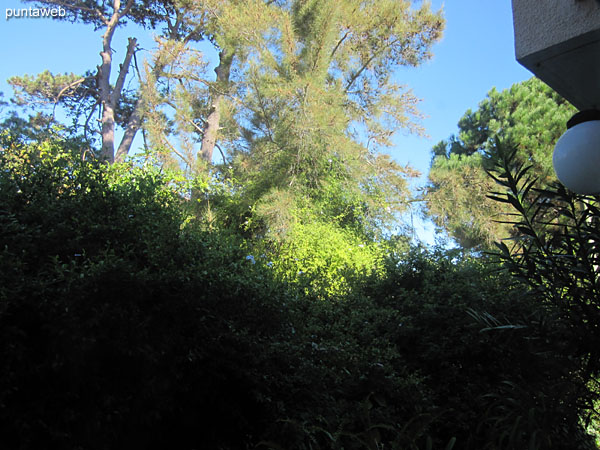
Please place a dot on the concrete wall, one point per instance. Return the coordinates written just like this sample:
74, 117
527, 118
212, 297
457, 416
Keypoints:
540, 24
559, 41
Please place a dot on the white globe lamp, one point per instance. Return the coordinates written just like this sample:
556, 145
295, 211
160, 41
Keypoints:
576, 156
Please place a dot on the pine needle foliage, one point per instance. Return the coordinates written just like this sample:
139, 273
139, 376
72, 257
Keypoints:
531, 117
316, 101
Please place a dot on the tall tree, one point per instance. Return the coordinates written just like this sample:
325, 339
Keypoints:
529, 117
312, 100
96, 89
303, 101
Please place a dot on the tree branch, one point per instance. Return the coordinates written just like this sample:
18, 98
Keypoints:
63, 90
174, 150
87, 121
200, 130
337, 46
126, 9
133, 125
135, 121
70, 6
220, 151
174, 27
366, 64
123, 70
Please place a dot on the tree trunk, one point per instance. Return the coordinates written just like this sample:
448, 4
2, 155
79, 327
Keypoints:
110, 97
108, 113
108, 133
211, 125
108, 110
134, 124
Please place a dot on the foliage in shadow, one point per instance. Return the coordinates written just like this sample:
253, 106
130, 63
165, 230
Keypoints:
123, 325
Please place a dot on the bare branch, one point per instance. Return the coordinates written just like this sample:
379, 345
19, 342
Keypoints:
133, 125
337, 46
87, 121
65, 89
123, 70
174, 150
200, 130
220, 151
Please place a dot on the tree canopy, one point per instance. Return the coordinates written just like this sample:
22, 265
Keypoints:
529, 117
318, 102
235, 285
99, 89
303, 101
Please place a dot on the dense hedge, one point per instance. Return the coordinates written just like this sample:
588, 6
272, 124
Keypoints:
492, 356
117, 328
124, 326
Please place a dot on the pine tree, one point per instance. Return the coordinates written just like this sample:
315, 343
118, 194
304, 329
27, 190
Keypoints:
83, 95
529, 117
302, 103
311, 101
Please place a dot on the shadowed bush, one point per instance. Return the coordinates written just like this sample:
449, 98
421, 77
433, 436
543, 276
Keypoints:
122, 325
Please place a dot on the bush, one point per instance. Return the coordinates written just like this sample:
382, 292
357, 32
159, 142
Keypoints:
490, 354
118, 328
123, 325
325, 260
440, 351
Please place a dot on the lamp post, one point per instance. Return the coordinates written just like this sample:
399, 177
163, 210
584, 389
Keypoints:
576, 156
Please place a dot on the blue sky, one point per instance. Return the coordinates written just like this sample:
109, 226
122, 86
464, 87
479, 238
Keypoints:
476, 54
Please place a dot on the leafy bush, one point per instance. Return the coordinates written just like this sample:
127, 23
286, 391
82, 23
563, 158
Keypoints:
118, 329
490, 355
439, 352
558, 257
122, 324
324, 259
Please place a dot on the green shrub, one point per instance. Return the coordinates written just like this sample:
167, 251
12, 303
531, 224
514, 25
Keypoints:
118, 329
491, 356
325, 260
125, 325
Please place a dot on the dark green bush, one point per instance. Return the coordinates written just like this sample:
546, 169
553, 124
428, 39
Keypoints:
444, 350
117, 328
490, 354
124, 326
